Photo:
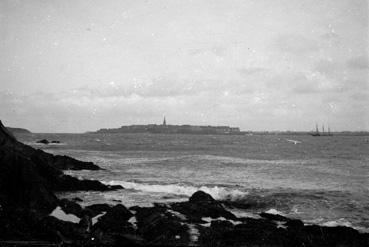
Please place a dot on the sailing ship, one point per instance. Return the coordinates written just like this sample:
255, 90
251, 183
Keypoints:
323, 133
316, 131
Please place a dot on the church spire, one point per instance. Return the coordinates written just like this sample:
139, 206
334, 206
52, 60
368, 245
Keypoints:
164, 122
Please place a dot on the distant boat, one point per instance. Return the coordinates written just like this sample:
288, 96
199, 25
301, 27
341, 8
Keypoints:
317, 133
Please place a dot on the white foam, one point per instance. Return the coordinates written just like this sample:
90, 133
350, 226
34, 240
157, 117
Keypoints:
218, 193
274, 211
179, 215
339, 222
209, 220
133, 221
61, 215
241, 213
96, 218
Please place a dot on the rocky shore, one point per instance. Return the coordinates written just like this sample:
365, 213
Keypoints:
31, 214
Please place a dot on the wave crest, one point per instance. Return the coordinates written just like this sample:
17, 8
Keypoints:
217, 192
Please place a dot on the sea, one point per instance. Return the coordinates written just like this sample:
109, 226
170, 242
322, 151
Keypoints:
321, 180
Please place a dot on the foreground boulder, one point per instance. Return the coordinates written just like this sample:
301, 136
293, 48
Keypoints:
202, 205
158, 226
113, 228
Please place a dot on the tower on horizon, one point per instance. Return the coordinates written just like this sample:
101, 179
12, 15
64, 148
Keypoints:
164, 122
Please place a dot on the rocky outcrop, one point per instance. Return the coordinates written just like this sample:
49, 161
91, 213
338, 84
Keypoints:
18, 130
5, 135
43, 141
28, 176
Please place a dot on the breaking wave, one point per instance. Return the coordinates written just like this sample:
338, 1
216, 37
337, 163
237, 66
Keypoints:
217, 192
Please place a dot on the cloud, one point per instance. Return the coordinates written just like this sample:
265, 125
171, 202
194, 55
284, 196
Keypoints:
295, 44
359, 62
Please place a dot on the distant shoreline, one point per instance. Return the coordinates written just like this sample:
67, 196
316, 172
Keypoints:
247, 133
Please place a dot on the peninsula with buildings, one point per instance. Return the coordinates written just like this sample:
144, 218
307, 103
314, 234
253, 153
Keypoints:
165, 128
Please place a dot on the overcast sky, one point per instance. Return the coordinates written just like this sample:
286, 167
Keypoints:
73, 66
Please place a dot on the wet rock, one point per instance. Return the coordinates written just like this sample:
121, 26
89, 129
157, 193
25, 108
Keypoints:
202, 205
333, 236
77, 199
67, 163
115, 220
22, 224
71, 207
264, 232
160, 227
85, 222
201, 197
63, 230
22, 185
275, 217
68, 183
28, 178
294, 224
43, 141
113, 228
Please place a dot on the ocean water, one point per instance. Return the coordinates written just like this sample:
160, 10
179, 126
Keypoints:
321, 180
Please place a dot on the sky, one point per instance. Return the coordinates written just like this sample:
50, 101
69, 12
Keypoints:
75, 66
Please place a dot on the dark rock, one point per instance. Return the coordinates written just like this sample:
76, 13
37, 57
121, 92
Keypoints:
202, 205
294, 224
55, 142
68, 163
71, 207
113, 228
68, 183
115, 220
101, 238
275, 217
222, 225
252, 233
43, 141
64, 231
263, 232
77, 199
22, 224
21, 184
160, 227
333, 236
201, 197
28, 178
85, 222
115, 187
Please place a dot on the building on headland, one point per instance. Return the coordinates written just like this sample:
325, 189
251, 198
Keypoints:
175, 129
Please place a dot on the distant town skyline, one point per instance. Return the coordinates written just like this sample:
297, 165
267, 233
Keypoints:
76, 66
